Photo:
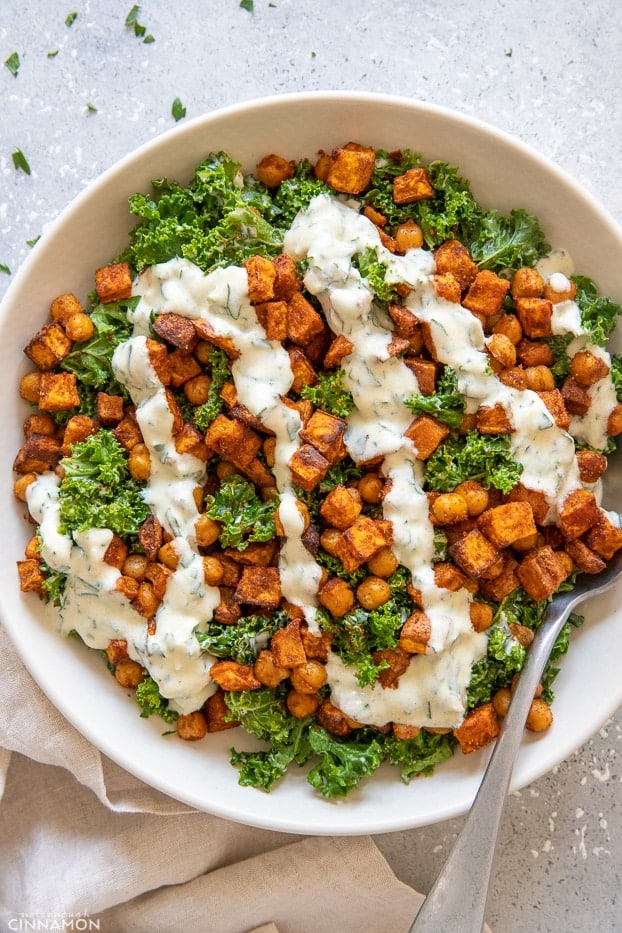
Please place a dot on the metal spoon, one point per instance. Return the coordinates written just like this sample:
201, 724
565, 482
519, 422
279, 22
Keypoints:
457, 900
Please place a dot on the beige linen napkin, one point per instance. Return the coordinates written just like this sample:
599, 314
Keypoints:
81, 838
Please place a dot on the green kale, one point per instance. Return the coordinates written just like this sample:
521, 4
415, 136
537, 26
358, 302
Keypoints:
97, 490
380, 191
562, 643
561, 360
374, 272
452, 211
53, 585
329, 394
217, 220
243, 515
295, 194
486, 458
352, 642
91, 361
243, 641
336, 569
505, 655
509, 241
419, 755
616, 374
343, 763
338, 474
204, 414
151, 701
447, 404
599, 315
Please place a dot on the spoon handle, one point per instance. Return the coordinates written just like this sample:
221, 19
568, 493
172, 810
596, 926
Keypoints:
457, 900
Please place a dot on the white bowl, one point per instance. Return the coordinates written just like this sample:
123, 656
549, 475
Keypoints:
504, 173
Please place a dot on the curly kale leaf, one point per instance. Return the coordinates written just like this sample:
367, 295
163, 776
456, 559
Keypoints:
509, 241
486, 458
420, 755
219, 219
295, 194
241, 642
343, 763
561, 360
599, 314
97, 490
330, 394
380, 191
447, 404
151, 701
203, 415
91, 361
616, 374
452, 211
374, 272
505, 655
243, 515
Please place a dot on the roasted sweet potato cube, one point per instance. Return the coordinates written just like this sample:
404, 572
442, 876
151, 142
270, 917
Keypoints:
481, 616
554, 401
217, 714
584, 558
447, 286
338, 350
206, 332
340, 509
578, 512
452, 256
48, 347
415, 633
535, 316
533, 353
576, 398
479, 728
364, 538
535, 498
527, 283
150, 537
127, 585
424, 371
256, 554
541, 572
474, 553
127, 432
112, 283
190, 441
272, 315
325, 432
258, 474
398, 345
230, 675
351, 168
58, 392
449, 577
239, 412
116, 552
592, 465
334, 720
486, 293
287, 646
261, 275
604, 537
259, 587
117, 650
502, 585
273, 169
308, 466
398, 661
287, 280
38, 454
302, 369
406, 323
176, 330
303, 321
507, 523
109, 408
30, 576
228, 611
182, 366
413, 185
514, 377
426, 433
493, 419
232, 441
158, 357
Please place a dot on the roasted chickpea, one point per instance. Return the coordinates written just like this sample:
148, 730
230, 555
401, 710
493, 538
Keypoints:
135, 566
501, 701
539, 378
79, 327
21, 484
370, 488
267, 671
587, 368
39, 424
475, 496
207, 530
614, 422
408, 235
129, 673
502, 350
527, 283
301, 705
29, 386
213, 571
203, 351
540, 716
224, 470
192, 726
449, 508
509, 326
168, 556
330, 539
559, 288
146, 601
383, 563
481, 616
373, 592
196, 389
308, 677
139, 462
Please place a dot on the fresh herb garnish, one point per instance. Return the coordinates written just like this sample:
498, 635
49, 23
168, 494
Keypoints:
20, 161
178, 110
13, 63
71, 18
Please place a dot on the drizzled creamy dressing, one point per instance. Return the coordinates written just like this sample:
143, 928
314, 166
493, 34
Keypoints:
328, 235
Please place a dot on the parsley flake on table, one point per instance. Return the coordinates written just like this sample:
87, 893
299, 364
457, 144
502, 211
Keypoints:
20, 161
4, 268
140, 31
71, 18
178, 110
248, 5
13, 63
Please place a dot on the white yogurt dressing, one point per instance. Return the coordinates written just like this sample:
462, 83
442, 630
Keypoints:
329, 234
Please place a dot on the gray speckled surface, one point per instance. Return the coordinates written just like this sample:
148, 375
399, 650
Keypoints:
544, 72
